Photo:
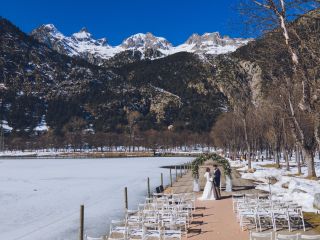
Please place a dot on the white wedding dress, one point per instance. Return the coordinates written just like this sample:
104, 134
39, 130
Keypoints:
208, 190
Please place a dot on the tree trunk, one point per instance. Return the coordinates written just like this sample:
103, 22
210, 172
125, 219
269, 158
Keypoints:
298, 160
277, 159
309, 159
247, 143
285, 153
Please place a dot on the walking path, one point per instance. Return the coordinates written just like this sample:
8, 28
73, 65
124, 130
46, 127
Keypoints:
218, 222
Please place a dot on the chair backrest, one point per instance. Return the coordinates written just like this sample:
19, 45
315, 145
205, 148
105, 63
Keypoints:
260, 236
310, 237
287, 237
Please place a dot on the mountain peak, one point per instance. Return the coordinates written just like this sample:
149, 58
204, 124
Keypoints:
198, 39
82, 35
146, 41
48, 28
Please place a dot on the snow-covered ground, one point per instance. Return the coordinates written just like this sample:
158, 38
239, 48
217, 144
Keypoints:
40, 198
295, 188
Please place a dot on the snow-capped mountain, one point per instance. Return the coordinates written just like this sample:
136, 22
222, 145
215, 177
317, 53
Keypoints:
211, 43
83, 45
79, 44
143, 41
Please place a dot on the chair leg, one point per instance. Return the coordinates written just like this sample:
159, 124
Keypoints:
255, 221
259, 221
289, 225
303, 224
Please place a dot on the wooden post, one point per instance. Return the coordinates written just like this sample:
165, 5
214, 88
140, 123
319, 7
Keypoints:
126, 198
176, 173
161, 179
149, 193
180, 171
170, 177
81, 222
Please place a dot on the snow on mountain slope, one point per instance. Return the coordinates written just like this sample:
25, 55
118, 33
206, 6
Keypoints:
210, 43
83, 45
79, 44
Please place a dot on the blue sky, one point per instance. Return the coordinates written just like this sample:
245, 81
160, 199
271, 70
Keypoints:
175, 20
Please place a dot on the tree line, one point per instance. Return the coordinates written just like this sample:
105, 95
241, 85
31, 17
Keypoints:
151, 140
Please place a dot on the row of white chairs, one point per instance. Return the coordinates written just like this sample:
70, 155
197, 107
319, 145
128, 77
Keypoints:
264, 212
163, 217
277, 236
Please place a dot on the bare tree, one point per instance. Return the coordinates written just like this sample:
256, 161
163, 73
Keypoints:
277, 13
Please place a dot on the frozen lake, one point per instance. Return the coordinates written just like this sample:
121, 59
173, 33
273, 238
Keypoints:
40, 198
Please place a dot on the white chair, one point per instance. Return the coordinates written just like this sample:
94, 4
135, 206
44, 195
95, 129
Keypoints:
309, 237
246, 216
287, 237
118, 230
265, 219
296, 217
236, 198
281, 215
260, 236
135, 233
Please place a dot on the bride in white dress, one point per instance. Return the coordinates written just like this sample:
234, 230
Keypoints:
208, 193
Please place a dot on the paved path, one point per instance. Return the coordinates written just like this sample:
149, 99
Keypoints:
219, 222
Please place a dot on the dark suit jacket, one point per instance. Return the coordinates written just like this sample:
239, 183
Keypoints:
217, 176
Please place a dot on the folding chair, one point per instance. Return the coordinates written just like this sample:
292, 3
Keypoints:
118, 230
281, 215
265, 219
296, 217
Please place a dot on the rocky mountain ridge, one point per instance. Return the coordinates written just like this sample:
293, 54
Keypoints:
148, 46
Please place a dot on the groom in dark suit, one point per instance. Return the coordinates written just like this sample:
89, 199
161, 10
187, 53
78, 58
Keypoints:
216, 179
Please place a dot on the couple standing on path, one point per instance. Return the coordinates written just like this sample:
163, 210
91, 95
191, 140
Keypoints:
211, 190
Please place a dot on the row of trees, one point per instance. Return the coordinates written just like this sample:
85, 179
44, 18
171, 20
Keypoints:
100, 141
288, 116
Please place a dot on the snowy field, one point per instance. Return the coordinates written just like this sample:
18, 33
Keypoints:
40, 198
290, 187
